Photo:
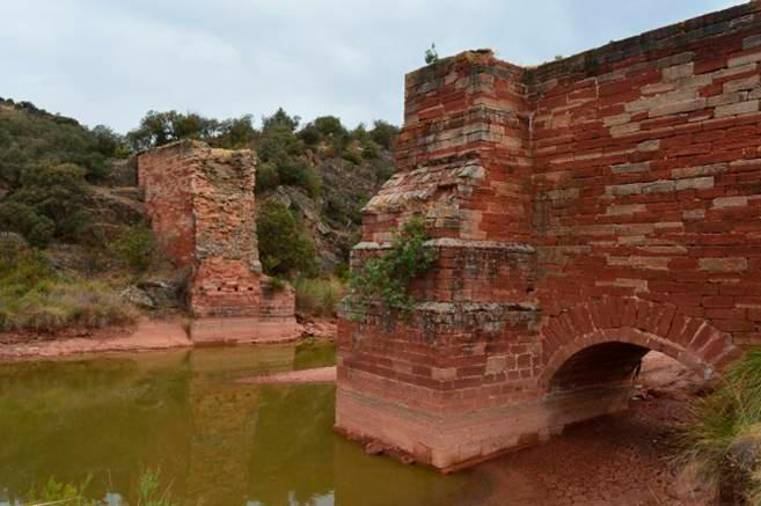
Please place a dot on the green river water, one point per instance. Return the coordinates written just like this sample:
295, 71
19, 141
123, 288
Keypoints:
215, 441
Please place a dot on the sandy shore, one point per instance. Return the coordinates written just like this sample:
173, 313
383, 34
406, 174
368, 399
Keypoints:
145, 335
317, 375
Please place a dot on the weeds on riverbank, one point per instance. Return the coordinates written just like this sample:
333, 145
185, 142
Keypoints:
724, 438
318, 296
33, 295
150, 492
56, 492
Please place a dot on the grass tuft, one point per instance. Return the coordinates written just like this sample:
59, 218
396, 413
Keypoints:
724, 437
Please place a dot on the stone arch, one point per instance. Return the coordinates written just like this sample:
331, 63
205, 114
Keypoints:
632, 321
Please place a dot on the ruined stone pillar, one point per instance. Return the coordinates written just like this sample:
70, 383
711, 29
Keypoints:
201, 204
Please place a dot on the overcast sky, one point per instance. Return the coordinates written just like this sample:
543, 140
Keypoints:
109, 61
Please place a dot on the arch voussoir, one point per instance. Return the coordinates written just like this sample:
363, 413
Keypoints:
655, 326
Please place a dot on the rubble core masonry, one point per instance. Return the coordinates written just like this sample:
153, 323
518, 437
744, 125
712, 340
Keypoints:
201, 204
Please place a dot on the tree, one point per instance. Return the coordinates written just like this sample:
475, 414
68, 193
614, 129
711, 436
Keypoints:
284, 245
384, 133
58, 193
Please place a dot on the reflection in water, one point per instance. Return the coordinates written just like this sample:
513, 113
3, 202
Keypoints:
217, 442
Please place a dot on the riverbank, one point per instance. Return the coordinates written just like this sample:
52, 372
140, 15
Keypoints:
145, 335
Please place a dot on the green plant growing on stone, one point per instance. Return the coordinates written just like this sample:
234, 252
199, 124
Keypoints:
431, 55
387, 278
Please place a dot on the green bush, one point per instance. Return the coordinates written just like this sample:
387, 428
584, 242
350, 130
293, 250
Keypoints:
724, 437
297, 172
24, 220
352, 156
136, 247
31, 138
58, 193
318, 296
266, 177
284, 245
387, 278
384, 134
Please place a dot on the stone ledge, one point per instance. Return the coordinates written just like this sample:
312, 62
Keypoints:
450, 242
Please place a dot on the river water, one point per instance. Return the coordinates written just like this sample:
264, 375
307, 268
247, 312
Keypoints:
215, 441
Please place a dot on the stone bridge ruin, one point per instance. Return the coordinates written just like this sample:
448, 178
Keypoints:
584, 211
201, 204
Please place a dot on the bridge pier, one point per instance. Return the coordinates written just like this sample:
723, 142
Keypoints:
584, 212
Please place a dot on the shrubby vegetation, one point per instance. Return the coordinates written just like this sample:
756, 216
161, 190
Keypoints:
150, 492
318, 296
31, 138
34, 295
135, 246
387, 278
724, 438
285, 248
49, 202
51, 167
285, 151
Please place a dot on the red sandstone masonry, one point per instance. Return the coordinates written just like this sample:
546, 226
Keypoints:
585, 211
201, 203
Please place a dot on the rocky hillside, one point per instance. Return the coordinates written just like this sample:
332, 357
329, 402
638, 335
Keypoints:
75, 244
64, 186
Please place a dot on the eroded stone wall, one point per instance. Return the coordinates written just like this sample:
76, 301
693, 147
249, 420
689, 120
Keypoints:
202, 208
611, 197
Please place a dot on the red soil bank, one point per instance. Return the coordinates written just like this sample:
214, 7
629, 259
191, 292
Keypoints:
201, 204
584, 211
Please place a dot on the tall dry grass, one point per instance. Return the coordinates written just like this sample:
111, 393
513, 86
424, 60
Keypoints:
723, 438
33, 295
318, 296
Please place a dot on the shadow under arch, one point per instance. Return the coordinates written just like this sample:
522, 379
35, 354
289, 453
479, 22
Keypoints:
592, 350
613, 355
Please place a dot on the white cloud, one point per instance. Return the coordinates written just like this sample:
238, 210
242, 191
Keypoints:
110, 61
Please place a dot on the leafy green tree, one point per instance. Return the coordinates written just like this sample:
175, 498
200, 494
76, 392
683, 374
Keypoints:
285, 248
384, 133
281, 120
58, 193
235, 133
31, 137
